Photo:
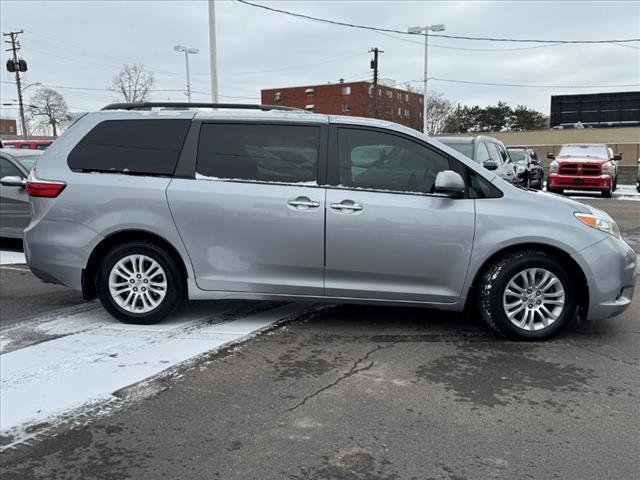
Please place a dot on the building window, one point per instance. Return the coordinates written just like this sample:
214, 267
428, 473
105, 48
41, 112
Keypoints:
309, 91
309, 107
370, 89
388, 110
346, 107
399, 111
277, 97
389, 94
406, 97
346, 90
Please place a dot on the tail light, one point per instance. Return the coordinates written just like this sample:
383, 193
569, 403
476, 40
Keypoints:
43, 188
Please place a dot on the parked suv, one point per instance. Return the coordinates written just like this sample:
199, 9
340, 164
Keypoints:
148, 208
488, 152
586, 166
531, 174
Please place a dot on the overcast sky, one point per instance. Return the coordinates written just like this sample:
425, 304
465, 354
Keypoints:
78, 46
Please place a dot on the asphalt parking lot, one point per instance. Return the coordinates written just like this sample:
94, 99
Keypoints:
359, 392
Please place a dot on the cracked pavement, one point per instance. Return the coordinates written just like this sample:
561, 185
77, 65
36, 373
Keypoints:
366, 393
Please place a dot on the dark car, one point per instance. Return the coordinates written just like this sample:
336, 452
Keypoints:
488, 152
15, 212
530, 172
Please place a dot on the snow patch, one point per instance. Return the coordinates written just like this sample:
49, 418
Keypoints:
90, 357
11, 258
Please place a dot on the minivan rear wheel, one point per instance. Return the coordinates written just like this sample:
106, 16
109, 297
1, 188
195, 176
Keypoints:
138, 282
526, 295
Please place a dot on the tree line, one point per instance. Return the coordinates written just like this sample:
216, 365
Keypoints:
446, 116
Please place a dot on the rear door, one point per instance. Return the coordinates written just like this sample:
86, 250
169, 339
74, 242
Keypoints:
252, 219
388, 236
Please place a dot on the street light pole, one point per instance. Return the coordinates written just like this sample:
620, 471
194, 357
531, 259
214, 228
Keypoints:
425, 30
187, 51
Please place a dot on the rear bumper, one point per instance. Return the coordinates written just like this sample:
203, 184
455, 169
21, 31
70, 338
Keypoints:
58, 251
611, 267
579, 182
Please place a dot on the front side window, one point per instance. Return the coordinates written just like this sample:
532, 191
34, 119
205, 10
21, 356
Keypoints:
131, 146
380, 161
8, 169
267, 153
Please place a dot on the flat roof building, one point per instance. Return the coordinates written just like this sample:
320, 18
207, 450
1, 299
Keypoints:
357, 99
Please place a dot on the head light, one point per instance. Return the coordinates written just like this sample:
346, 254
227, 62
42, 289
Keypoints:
608, 169
553, 168
599, 221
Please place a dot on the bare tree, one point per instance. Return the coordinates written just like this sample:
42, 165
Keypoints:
133, 83
48, 109
439, 110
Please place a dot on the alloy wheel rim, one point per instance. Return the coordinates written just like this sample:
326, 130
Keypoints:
533, 299
137, 283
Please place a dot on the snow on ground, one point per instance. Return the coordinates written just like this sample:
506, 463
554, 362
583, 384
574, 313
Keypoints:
10, 258
55, 368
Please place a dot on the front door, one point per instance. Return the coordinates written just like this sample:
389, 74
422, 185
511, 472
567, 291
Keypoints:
15, 211
388, 237
253, 218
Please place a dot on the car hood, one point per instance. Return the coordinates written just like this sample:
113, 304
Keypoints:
581, 160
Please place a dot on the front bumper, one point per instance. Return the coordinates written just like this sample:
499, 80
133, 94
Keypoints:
579, 182
610, 267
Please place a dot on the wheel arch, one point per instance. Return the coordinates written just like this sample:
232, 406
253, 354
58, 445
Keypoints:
89, 272
574, 270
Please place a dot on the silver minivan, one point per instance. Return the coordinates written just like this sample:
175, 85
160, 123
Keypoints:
145, 205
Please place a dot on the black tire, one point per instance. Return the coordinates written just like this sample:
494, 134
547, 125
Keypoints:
492, 285
606, 193
175, 290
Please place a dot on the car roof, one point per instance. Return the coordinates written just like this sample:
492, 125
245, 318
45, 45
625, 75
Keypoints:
456, 139
21, 152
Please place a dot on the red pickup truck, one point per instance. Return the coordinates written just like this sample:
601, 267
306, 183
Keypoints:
586, 166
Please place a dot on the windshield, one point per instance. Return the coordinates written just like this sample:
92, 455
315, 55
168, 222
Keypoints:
28, 162
464, 148
518, 156
583, 151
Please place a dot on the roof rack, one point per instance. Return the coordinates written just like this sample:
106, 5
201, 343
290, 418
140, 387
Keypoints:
186, 105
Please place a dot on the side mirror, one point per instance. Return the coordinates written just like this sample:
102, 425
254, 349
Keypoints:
617, 157
490, 164
449, 183
551, 156
11, 181
534, 161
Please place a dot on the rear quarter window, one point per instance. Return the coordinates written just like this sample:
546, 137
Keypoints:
147, 147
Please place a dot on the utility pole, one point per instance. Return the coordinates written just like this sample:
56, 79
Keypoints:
213, 57
374, 66
17, 66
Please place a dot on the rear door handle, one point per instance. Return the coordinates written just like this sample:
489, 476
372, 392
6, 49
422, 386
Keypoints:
303, 203
347, 207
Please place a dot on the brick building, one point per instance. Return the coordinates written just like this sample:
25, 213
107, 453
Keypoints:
8, 127
354, 98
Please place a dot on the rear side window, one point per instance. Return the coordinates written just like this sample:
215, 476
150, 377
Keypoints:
149, 147
269, 153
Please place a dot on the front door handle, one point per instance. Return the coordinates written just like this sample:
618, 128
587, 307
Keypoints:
347, 206
303, 203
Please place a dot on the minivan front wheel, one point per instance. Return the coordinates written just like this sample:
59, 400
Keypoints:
527, 296
138, 282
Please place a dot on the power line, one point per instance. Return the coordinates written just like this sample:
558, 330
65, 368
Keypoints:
454, 37
335, 60
468, 82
